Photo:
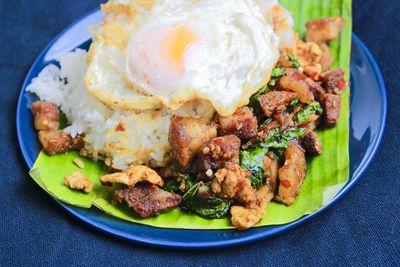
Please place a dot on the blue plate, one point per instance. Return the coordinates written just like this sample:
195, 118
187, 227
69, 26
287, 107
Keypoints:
367, 124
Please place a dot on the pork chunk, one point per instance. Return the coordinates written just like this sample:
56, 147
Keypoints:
56, 141
244, 217
242, 123
315, 88
46, 116
331, 105
291, 174
232, 182
271, 165
324, 30
215, 154
333, 81
276, 101
147, 200
295, 81
312, 144
187, 135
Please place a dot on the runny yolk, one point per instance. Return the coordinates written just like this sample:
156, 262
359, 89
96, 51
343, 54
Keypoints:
175, 44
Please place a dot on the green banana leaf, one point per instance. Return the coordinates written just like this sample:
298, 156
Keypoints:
326, 174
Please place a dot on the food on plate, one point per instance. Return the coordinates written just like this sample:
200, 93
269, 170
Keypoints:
78, 162
208, 106
324, 30
133, 175
187, 135
147, 200
47, 122
78, 181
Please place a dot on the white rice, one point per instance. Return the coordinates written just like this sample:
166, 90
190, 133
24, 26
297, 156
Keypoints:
145, 139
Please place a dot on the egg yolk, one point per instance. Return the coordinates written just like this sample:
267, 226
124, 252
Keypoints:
175, 43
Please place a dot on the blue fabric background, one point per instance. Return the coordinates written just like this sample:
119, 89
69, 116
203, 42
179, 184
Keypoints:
361, 229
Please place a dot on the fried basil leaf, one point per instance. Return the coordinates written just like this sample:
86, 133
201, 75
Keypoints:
304, 115
294, 61
206, 207
253, 160
173, 185
275, 75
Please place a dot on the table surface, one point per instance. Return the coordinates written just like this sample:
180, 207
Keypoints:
361, 229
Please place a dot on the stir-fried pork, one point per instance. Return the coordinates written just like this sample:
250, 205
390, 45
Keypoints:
295, 81
333, 81
315, 88
312, 144
276, 101
244, 217
324, 30
271, 165
232, 182
291, 174
242, 123
215, 154
47, 121
331, 105
56, 141
46, 116
147, 200
187, 135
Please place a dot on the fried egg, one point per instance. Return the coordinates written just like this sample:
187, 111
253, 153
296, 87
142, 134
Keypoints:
165, 53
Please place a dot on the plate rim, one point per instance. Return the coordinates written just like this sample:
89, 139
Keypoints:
275, 230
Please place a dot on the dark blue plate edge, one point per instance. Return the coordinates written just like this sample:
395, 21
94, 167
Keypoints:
204, 245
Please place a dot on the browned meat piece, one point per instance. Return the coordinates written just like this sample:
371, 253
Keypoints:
315, 88
46, 116
147, 200
187, 135
215, 154
331, 105
232, 182
295, 81
276, 101
242, 123
333, 81
326, 57
291, 175
324, 30
244, 217
271, 165
55, 142
312, 144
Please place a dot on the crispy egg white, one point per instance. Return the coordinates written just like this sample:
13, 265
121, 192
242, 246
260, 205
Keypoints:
164, 53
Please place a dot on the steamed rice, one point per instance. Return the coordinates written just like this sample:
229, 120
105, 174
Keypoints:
118, 138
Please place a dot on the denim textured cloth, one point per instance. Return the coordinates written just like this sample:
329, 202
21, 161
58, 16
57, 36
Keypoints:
361, 229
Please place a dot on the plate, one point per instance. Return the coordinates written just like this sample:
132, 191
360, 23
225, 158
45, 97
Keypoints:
367, 86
